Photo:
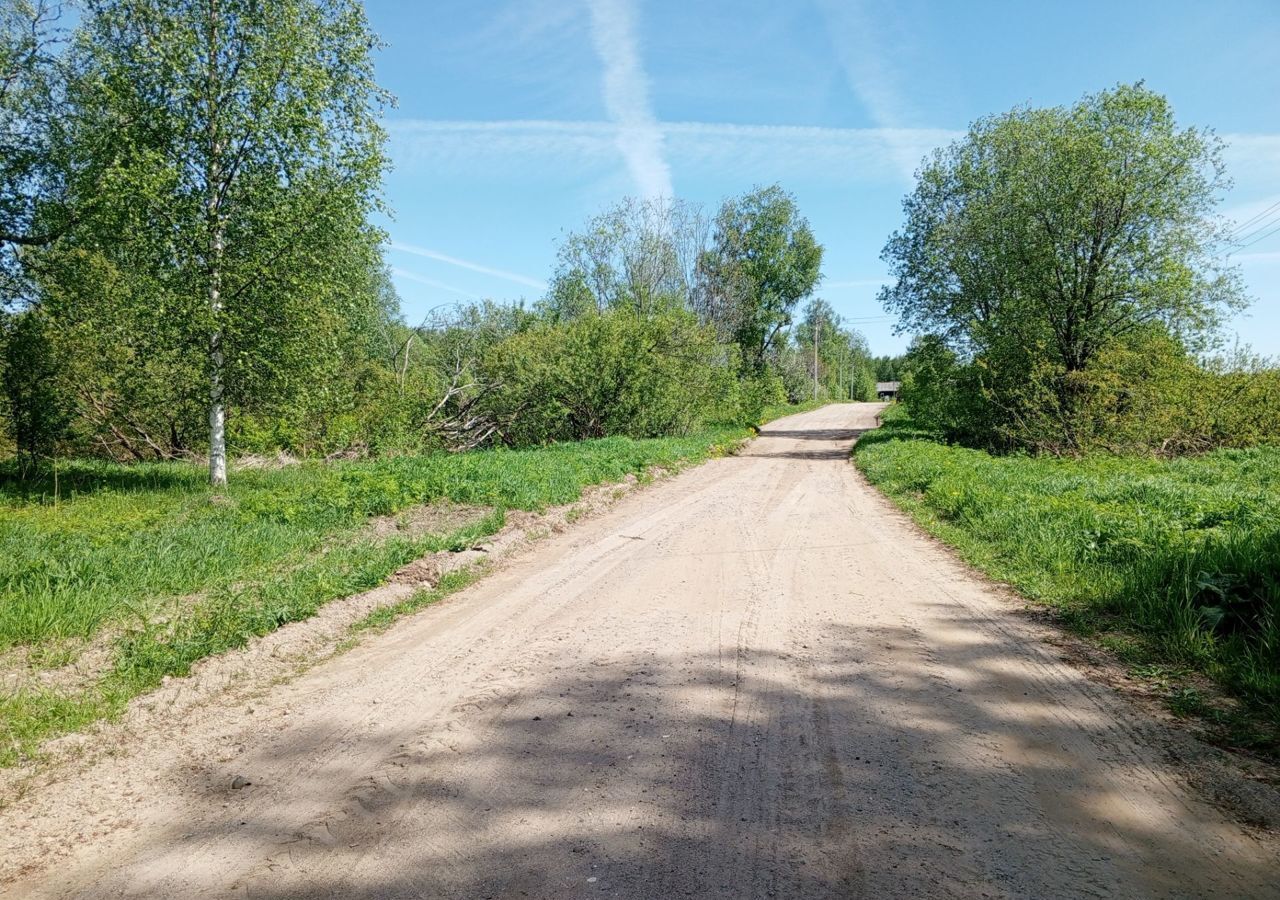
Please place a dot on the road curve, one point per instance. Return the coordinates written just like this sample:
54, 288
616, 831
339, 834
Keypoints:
753, 680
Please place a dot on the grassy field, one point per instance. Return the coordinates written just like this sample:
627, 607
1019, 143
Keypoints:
1173, 563
143, 559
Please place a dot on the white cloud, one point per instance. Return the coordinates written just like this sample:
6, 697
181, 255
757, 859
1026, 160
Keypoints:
860, 50
626, 96
467, 145
467, 264
1271, 256
760, 152
431, 282
1247, 153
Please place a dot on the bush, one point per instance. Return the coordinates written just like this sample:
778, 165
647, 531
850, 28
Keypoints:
37, 412
609, 373
944, 395
1143, 395
759, 394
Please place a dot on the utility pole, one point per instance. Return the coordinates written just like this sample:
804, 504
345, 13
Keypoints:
815, 360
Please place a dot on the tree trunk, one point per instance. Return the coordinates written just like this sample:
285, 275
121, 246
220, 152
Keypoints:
217, 408
217, 236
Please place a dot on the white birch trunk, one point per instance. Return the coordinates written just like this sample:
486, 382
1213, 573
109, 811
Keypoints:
215, 224
217, 408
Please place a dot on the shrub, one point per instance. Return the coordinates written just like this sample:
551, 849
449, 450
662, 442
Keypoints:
1143, 395
37, 411
613, 372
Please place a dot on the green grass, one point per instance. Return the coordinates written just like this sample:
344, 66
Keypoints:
1175, 563
145, 555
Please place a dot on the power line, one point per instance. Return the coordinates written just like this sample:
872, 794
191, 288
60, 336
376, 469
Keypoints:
1275, 230
1260, 227
1249, 222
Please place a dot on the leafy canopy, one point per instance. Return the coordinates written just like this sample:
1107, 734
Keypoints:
763, 261
1063, 228
1047, 236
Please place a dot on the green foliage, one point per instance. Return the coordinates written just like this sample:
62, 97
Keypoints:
221, 253
760, 397
1147, 394
36, 412
1183, 553
639, 255
763, 261
51, 148
863, 385
1047, 236
124, 366
614, 372
838, 368
889, 368
741, 276
210, 252
1144, 394
945, 395
141, 550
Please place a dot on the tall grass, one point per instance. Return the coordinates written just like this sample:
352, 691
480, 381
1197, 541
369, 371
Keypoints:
1184, 553
118, 542
175, 574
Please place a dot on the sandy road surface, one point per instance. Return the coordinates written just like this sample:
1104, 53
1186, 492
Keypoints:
753, 680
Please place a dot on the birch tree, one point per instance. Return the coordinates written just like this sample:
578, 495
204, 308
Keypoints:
252, 160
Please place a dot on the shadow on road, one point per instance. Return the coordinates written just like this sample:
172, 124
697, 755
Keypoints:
766, 448
849, 769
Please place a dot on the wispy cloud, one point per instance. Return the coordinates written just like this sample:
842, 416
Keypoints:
626, 96
759, 152
426, 253
1246, 153
431, 282
859, 47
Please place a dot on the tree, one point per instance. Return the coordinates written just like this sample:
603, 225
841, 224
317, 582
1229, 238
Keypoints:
888, 368
818, 331
1045, 235
36, 409
763, 261
252, 156
639, 254
36, 72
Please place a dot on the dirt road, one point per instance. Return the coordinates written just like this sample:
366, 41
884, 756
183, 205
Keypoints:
752, 680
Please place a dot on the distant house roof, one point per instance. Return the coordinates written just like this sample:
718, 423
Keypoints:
888, 387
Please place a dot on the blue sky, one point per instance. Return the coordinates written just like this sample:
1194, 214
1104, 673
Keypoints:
518, 119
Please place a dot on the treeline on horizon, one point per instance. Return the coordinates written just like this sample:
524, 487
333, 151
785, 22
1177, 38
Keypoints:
188, 267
